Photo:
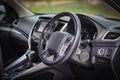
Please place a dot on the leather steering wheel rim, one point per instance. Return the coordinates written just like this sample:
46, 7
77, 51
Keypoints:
75, 41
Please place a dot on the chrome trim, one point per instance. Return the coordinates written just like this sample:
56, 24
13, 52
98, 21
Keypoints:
103, 38
63, 28
15, 31
10, 29
30, 34
5, 28
15, 21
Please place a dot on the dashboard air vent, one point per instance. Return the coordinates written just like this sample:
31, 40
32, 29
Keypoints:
117, 28
16, 22
112, 36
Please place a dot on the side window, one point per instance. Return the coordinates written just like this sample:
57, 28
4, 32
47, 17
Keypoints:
2, 11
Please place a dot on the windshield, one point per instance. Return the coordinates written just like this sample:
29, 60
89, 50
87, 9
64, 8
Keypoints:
94, 7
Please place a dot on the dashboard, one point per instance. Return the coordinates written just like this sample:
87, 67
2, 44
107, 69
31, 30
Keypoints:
101, 35
100, 38
86, 32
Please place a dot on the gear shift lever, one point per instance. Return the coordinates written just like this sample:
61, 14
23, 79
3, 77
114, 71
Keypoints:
21, 64
21, 61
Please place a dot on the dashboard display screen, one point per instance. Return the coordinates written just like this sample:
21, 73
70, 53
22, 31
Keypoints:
42, 25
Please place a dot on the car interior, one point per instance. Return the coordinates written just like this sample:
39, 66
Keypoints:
58, 46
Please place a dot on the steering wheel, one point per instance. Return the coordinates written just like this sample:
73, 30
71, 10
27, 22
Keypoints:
56, 47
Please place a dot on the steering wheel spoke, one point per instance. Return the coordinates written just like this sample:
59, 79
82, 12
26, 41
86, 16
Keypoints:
64, 27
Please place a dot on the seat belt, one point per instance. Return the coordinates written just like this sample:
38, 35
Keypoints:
1, 66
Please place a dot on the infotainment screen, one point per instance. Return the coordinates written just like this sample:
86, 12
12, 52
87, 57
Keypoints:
42, 25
